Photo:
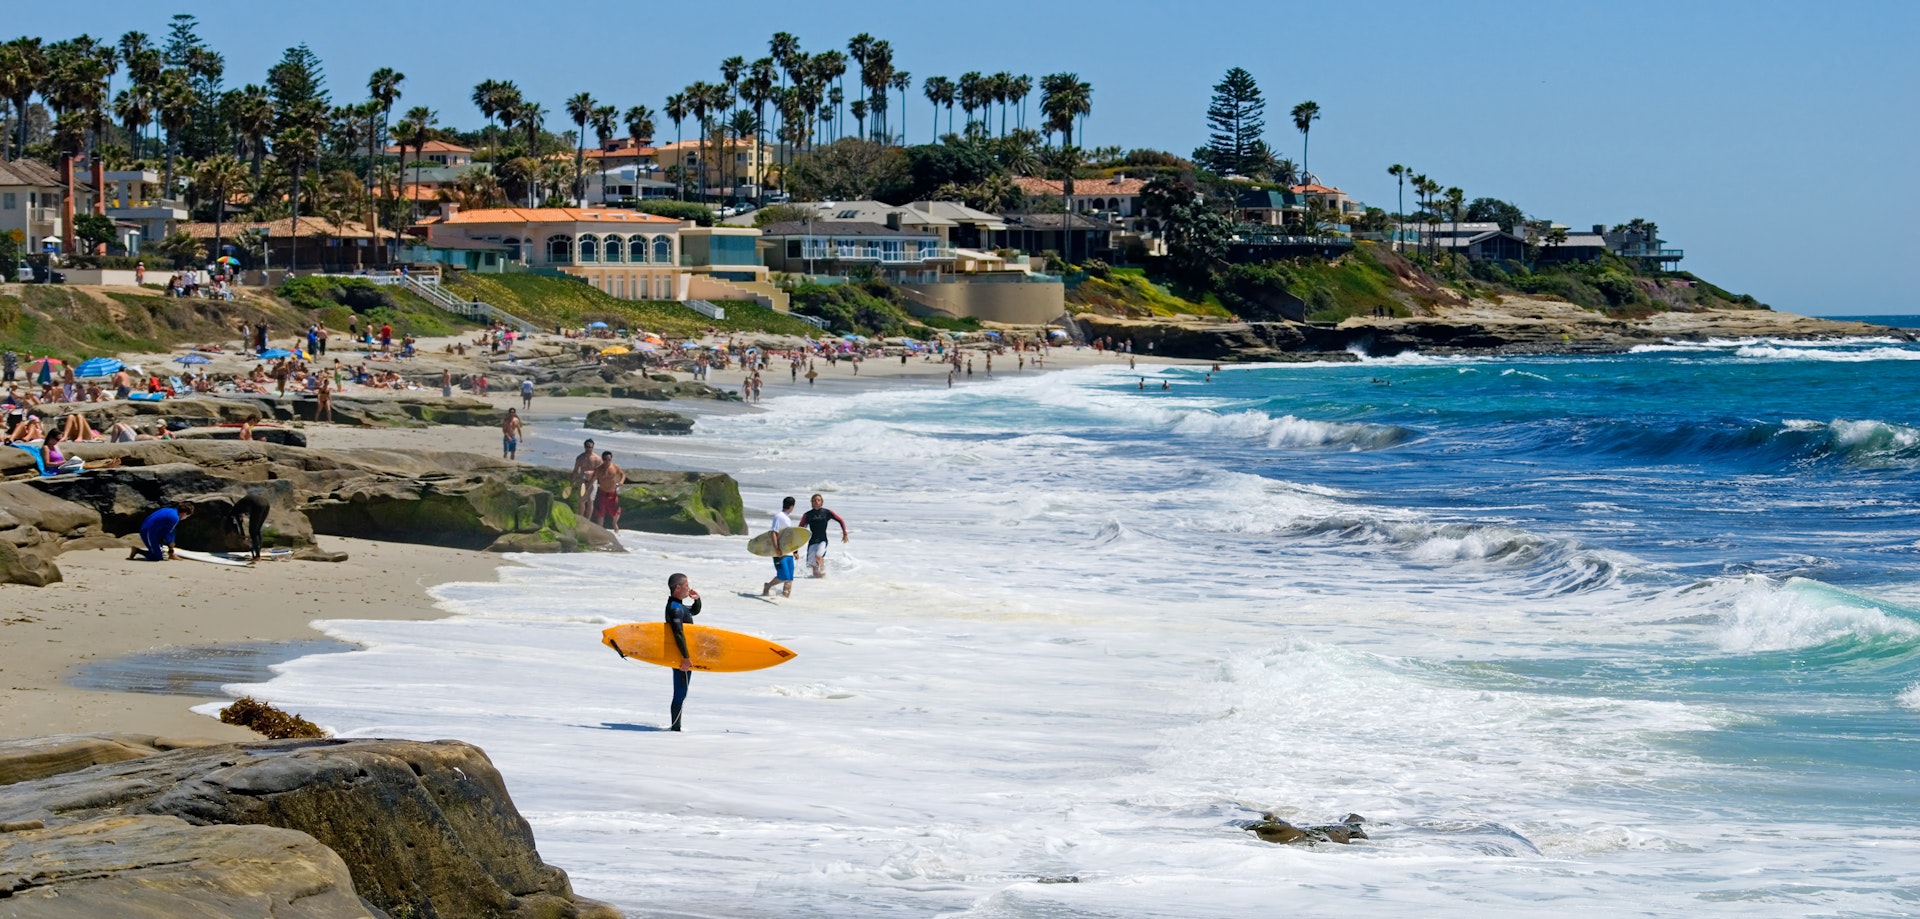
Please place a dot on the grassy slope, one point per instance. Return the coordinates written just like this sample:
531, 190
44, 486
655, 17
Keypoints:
549, 302
73, 323
1128, 292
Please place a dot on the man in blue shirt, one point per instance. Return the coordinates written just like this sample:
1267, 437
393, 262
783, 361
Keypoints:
680, 614
156, 533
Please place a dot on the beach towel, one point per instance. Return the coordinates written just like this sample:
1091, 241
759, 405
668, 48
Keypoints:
40, 461
147, 396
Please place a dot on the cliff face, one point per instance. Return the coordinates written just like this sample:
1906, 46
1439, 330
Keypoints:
1513, 326
140, 826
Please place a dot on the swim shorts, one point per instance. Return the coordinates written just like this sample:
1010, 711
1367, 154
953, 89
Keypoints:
783, 568
606, 504
816, 551
509, 444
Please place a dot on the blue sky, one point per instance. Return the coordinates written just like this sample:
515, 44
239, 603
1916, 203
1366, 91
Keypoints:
1775, 142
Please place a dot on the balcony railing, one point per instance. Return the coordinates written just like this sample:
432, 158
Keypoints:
1644, 252
43, 214
878, 254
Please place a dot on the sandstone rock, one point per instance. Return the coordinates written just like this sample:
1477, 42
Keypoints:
149, 867
23, 565
1272, 828
424, 829
691, 503
286, 437
639, 421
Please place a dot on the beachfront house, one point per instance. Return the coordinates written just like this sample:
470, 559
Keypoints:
625, 253
437, 152
1640, 241
30, 204
617, 185
731, 168
1330, 199
1271, 208
135, 196
621, 152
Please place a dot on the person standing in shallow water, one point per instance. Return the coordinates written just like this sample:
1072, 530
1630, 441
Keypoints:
816, 521
680, 614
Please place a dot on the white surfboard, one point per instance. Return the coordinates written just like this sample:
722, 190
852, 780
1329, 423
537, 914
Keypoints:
209, 558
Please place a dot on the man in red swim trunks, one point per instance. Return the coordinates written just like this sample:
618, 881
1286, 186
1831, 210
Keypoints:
606, 503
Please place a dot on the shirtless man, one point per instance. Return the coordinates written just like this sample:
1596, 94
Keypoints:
607, 479
510, 431
584, 467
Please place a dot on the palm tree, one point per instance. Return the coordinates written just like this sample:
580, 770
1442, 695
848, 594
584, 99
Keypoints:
903, 81
295, 147
1456, 202
859, 48
175, 102
383, 86
219, 177
1399, 174
486, 98
1064, 97
580, 109
1304, 115
419, 125
23, 67
134, 107
939, 91
639, 120
1001, 85
971, 84
253, 117
677, 112
757, 90
859, 112
1017, 93
605, 119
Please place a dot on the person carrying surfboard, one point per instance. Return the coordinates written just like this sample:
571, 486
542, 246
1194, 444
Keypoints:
782, 564
680, 614
816, 520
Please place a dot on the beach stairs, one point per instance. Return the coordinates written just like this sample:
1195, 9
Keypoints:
708, 287
427, 286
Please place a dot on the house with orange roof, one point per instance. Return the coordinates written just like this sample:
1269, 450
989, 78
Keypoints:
1332, 199
438, 151
625, 253
623, 152
1117, 198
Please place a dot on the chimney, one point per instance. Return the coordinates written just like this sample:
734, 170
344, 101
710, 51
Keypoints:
893, 220
450, 208
1599, 229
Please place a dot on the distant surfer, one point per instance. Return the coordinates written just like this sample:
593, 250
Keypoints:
680, 614
607, 479
782, 564
816, 521
249, 516
156, 533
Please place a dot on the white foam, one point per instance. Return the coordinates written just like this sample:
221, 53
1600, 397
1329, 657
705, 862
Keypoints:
1762, 614
1777, 352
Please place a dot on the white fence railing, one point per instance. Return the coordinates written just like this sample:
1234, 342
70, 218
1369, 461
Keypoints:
707, 309
429, 289
814, 321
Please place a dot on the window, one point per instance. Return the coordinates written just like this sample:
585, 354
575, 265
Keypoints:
613, 249
663, 250
559, 249
589, 248
10, 200
793, 248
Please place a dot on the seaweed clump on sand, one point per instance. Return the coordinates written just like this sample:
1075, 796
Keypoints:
271, 722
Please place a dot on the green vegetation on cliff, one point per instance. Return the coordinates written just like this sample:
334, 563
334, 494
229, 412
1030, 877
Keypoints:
1128, 292
550, 301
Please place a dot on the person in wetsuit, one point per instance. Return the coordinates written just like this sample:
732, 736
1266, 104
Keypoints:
156, 533
816, 521
680, 614
250, 511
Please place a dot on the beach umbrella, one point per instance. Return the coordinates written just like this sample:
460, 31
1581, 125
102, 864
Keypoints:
274, 354
616, 349
596, 325
227, 260
193, 359
97, 367
43, 368
993, 334
649, 336
1060, 332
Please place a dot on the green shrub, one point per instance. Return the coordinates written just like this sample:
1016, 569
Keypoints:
679, 210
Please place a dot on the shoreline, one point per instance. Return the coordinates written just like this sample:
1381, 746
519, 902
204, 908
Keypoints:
108, 608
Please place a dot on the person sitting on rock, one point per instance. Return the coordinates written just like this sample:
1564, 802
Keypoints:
30, 431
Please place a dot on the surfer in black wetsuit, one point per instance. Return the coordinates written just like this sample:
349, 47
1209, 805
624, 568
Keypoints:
250, 512
680, 614
816, 522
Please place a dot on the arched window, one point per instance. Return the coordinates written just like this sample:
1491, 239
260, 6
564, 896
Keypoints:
589, 248
1113, 204
663, 250
559, 250
614, 249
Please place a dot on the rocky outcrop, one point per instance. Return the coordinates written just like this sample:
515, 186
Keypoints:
1513, 327
235, 408
1272, 828
639, 421
458, 500
689, 503
295, 828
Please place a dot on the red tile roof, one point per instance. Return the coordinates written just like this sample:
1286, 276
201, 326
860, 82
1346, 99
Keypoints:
558, 215
435, 146
1316, 189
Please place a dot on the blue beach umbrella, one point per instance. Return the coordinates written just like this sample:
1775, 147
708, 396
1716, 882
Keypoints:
193, 359
596, 325
275, 354
98, 367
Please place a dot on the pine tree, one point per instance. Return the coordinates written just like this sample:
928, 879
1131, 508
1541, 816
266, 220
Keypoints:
1235, 117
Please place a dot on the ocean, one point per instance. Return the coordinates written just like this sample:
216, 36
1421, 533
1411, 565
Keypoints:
1625, 635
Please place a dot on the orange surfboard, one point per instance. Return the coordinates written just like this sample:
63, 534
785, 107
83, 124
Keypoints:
710, 649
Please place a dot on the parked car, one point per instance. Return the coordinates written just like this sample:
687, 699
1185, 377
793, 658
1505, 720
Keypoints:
23, 273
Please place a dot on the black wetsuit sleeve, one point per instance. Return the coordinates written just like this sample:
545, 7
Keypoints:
678, 615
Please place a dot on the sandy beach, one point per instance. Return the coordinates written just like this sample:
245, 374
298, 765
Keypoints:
108, 607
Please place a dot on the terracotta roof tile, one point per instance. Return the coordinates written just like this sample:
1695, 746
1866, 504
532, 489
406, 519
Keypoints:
1117, 187
558, 215
435, 146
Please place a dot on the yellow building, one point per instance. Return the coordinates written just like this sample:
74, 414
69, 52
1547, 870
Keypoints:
732, 169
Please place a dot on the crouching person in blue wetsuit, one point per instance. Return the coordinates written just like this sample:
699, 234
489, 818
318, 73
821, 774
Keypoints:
156, 533
680, 613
